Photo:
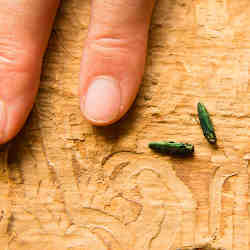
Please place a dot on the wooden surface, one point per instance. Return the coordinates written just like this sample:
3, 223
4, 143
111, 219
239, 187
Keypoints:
70, 186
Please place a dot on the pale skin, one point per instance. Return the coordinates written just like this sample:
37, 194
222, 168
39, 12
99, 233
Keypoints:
111, 69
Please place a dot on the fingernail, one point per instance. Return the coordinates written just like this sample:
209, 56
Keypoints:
2, 119
103, 100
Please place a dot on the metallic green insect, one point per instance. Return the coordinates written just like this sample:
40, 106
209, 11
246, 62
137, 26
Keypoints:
172, 148
200, 247
206, 124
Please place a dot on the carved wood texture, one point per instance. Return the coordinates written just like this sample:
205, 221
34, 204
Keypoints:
70, 186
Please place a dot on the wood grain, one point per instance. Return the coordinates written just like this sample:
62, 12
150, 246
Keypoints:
67, 185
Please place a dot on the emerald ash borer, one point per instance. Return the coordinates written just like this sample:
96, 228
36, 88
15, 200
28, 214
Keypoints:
172, 148
206, 124
200, 247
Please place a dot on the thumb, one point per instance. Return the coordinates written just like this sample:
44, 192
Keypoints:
114, 58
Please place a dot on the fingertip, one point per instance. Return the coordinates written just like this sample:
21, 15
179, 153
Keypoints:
14, 114
115, 48
23, 40
101, 104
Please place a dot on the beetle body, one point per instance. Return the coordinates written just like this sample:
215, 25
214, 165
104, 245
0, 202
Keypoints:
172, 148
206, 124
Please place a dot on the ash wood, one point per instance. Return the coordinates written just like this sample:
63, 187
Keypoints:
71, 186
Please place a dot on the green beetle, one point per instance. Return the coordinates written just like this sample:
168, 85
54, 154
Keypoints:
206, 124
172, 148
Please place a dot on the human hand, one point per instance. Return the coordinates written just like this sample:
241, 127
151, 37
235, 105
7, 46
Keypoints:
111, 69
